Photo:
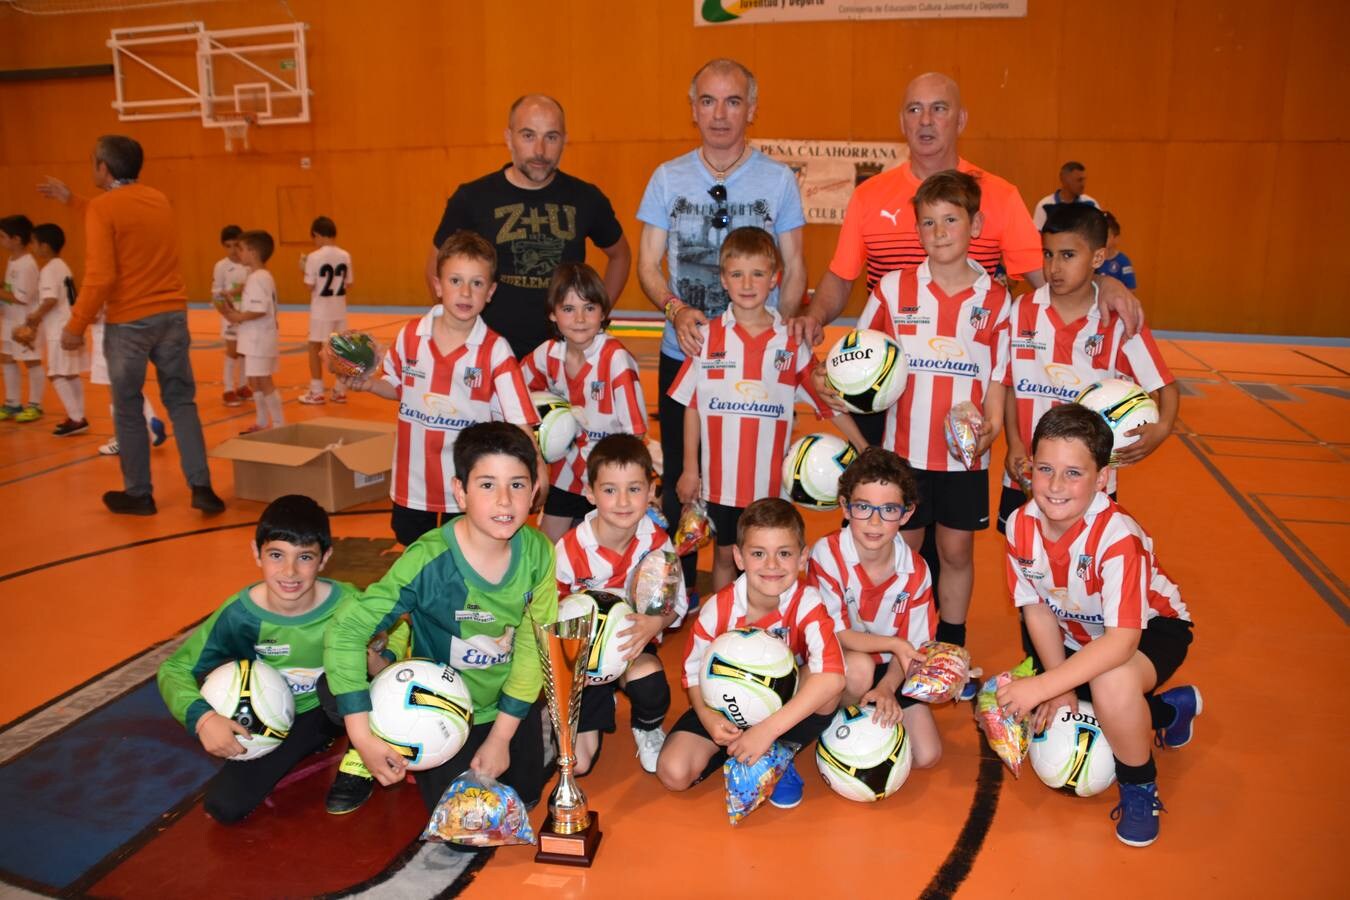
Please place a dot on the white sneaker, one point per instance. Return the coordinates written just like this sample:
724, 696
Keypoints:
312, 399
111, 448
649, 744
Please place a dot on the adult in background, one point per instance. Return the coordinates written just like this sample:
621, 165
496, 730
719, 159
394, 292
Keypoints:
1072, 185
131, 273
691, 203
537, 217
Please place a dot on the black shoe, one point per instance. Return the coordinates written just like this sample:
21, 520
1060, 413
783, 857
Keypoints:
348, 793
129, 504
205, 499
70, 426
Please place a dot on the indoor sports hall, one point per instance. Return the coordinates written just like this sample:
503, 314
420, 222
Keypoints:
1217, 134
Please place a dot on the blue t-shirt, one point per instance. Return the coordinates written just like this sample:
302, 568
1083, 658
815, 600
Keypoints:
760, 192
1121, 269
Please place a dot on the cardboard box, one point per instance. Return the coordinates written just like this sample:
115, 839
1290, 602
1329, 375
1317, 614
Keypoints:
338, 462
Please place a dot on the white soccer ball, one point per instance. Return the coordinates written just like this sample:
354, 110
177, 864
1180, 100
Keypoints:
748, 674
1123, 404
1072, 754
558, 428
812, 468
423, 710
256, 696
606, 661
868, 369
859, 759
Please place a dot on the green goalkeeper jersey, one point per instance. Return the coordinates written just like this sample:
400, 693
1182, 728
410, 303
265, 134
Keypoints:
478, 627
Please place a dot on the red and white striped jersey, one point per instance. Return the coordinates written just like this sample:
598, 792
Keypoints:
606, 398
441, 395
1050, 361
585, 564
901, 605
1101, 574
954, 347
801, 620
744, 389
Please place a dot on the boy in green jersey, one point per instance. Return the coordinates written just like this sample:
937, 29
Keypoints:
470, 589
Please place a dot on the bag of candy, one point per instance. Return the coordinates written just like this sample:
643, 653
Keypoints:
477, 811
656, 583
1008, 736
962, 427
940, 675
352, 354
748, 786
694, 530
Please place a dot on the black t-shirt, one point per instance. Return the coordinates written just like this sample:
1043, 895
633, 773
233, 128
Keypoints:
534, 232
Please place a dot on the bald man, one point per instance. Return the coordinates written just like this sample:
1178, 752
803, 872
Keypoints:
537, 217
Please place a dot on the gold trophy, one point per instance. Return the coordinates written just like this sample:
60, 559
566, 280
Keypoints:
571, 833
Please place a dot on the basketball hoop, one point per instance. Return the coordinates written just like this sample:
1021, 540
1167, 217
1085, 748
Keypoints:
235, 125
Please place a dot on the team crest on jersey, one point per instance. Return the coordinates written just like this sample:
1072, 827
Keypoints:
473, 377
782, 359
901, 601
979, 317
1084, 566
597, 390
1093, 345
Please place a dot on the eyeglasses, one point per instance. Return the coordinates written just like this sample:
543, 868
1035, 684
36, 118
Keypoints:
890, 512
721, 218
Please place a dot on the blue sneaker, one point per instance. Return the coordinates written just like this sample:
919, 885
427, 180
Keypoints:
158, 434
788, 792
1187, 702
1136, 815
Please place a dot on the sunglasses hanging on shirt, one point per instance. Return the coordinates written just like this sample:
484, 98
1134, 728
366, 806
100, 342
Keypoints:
722, 217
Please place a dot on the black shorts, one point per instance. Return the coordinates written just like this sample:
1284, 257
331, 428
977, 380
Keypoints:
880, 673
410, 524
724, 520
1011, 500
801, 734
598, 701
566, 504
958, 500
1164, 643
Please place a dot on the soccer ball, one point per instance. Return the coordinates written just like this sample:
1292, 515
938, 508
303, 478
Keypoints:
255, 695
1123, 404
557, 429
868, 369
859, 759
1072, 754
748, 674
812, 468
606, 661
423, 710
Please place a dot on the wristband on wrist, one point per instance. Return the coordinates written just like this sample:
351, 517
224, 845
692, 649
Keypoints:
673, 306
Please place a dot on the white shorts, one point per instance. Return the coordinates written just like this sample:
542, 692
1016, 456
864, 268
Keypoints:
259, 366
66, 363
98, 363
15, 350
320, 329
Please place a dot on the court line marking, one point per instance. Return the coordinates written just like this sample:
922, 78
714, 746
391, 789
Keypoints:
1323, 362
1303, 548
979, 820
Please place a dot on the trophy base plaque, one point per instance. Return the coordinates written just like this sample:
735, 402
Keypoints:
569, 849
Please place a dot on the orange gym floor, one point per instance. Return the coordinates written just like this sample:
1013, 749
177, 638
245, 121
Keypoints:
1249, 504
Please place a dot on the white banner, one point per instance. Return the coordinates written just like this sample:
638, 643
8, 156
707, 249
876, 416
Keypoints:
828, 171
750, 12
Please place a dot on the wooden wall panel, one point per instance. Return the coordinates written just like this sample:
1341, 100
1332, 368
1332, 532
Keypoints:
1114, 70
1317, 79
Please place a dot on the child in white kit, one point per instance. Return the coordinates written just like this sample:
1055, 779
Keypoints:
259, 336
328, 272
227, 280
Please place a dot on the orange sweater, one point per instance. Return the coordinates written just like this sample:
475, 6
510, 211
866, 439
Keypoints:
131, 258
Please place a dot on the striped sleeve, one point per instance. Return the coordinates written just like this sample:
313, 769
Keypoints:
873, 313
1124, 572
806, 385
822, 568
392, 364
630, 407
1140, 359
707, 626
508, 387
823, 653
682, 389
1019, 544
1001, 346
534, 369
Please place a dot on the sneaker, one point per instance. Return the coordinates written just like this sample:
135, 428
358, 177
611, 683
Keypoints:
1136, 815
351, 788
649, 742
338, 397
9, 412
971, 689
254, 429
205, 499
245, 392
788, 792
69, 427
158, 434
232, 399
110, 449
30, 413
129, 504
309, 398
1187, 703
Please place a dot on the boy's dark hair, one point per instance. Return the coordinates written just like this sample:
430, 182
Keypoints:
770, 512
749, 240
618, 450
324, 227
1071, 422
122, 155
1112, 223
470, 244
1072, 166
260, 241
950, 186
878, 466
295, 519
581, 279
18, 226
1088, 222
50, 234
489, 438
230, 233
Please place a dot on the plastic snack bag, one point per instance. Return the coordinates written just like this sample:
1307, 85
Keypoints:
352, 354
1008, 736
941, 674
748, 786
477, 811
694, 530
962, 427
656, 583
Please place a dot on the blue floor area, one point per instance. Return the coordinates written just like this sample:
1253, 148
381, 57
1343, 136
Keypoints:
85, 792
